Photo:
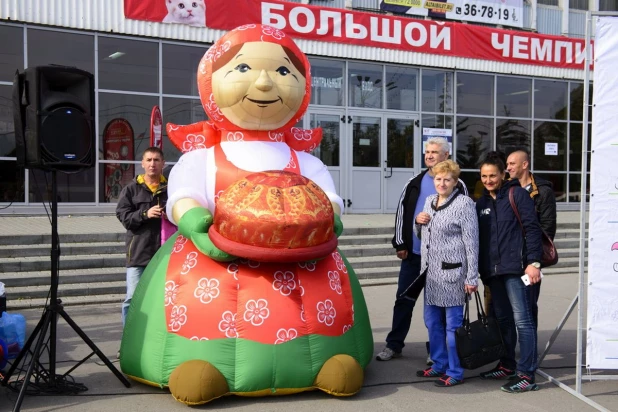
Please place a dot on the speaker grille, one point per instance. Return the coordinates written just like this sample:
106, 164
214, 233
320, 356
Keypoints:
65, 132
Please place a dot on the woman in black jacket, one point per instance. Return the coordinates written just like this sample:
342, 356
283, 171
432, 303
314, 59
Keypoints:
505, 255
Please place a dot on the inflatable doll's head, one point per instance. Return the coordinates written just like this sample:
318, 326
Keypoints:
254, 78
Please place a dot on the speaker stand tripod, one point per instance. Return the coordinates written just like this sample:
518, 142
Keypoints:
49, 320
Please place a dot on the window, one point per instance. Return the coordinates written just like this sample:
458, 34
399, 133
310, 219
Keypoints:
401, 88
11, 51
181, 112
135, 112
7, 130
550, 99
11, 182
328, 151
475, 94
514, 98
326, 82
475, 136
365, 85
550, 146
128, 64
608, 5
180, 65
51, 47
72, 187
579, 4
512, 134
437, 91
549, 2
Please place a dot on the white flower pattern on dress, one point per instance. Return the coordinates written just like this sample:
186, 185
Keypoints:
179, 244
301, 288
326, 312
309, 266
339, 262
227, 324
334, 281
275, 136
251, 263
171, 292
207, 290
235, 136
346, 328
302, 313
284, 282
271, 31
190, 262
232, 269
256, 311
178, 317
286, 335
198, 338
193, 142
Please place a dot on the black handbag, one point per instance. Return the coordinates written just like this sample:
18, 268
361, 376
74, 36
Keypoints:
480, 342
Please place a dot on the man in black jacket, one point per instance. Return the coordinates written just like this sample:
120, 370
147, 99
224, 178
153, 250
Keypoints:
518, 166
408, 245
140, 207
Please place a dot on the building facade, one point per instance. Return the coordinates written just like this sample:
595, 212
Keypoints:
372, 102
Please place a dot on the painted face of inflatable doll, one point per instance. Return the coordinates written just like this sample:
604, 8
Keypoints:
254, 78
259, 87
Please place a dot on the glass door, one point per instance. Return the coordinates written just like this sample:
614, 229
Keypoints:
366, 172
401, 149
330, 150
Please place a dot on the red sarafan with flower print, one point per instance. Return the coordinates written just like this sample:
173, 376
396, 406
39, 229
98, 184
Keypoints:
264, 302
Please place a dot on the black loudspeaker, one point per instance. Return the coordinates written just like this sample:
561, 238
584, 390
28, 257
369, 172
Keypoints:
53, 110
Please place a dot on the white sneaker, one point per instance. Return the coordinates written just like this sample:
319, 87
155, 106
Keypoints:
387, 354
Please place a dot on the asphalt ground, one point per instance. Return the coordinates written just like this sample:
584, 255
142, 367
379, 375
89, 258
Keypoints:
389, 386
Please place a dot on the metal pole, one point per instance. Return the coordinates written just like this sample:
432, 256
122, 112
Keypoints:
582, 223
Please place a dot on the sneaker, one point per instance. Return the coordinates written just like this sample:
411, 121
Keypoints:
499, 372
524, 383
387, 354
448, 381
429, 373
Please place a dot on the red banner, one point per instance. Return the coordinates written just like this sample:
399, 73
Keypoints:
117, 145
156, 128
377, 30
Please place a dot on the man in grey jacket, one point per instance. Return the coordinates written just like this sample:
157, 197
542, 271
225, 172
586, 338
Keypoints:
408, 246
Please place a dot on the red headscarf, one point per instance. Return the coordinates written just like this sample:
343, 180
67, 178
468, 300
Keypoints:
207, 134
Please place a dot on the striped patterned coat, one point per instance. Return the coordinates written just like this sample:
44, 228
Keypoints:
449, 249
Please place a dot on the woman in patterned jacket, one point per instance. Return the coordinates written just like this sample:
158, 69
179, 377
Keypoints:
448, 227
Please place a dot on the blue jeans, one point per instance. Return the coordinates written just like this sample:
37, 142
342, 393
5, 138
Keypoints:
134, 274
511, 302
404, 305
442, 346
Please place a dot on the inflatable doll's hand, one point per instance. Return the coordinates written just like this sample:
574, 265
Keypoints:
196, 220
338, 225
203, 243
194, 224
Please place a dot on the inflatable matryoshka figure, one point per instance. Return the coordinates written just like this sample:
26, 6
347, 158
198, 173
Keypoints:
282, 311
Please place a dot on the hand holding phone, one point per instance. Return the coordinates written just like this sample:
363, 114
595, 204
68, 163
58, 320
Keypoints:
526, 279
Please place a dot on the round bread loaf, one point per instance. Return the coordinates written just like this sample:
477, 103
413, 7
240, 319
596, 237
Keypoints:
274, 216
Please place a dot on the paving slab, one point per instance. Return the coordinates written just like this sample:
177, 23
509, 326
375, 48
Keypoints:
389, 386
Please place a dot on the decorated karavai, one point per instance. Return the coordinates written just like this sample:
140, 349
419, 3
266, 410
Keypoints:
251, 296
